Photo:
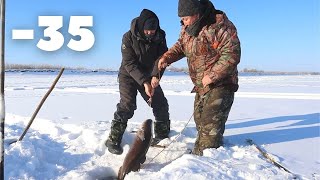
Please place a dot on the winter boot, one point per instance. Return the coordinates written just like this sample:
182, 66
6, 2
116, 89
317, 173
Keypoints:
115, 137
113, 147
161, 131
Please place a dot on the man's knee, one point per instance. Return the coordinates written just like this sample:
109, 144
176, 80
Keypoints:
161, 112
124, 112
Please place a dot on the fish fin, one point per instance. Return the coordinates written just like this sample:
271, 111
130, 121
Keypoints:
136, 166
142, 159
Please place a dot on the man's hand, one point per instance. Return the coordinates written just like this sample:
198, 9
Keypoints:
162, 63
206, 80
148, 89
154, 82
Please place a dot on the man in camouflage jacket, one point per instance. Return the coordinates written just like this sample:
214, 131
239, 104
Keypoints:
209, 41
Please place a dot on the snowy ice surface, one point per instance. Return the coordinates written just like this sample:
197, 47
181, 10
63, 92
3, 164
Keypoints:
66, 141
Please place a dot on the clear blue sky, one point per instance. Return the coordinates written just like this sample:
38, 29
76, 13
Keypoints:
275, 35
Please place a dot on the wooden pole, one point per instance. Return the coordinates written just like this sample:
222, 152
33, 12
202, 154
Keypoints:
40, 104
267, 156
2, 103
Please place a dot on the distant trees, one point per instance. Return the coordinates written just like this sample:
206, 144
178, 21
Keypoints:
251, 71
32, 66
247, 70
175, 69
36, 67
48, 67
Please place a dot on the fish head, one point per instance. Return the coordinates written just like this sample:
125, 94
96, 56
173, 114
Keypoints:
146, 128
147, 123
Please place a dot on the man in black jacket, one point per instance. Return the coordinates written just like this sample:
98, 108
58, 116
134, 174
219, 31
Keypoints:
141, 46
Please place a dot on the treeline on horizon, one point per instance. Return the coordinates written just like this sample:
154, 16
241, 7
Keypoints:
253, 71
48, 67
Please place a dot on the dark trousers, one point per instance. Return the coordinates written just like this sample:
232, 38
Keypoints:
128, 103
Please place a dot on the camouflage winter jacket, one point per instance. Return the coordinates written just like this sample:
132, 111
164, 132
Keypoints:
214, 52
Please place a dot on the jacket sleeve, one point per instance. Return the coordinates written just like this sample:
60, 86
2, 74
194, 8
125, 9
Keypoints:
130, 61
162, 49
230, 52
175, 53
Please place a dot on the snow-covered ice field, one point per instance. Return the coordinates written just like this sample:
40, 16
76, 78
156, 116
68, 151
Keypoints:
66, 141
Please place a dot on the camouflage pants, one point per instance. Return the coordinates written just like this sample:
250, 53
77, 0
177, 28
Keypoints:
210, 114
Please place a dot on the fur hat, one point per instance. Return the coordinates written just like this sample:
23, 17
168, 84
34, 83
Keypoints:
188, 7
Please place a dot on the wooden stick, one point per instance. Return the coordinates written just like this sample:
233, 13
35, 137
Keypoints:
266, 155
40, 105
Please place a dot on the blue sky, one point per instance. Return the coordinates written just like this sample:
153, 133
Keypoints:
275, 35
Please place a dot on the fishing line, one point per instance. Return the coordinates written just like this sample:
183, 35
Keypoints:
175, 139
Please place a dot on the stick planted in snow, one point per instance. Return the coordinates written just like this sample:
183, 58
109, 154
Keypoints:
40, 105
266, 155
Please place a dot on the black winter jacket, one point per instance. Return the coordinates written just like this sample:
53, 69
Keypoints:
139, 56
